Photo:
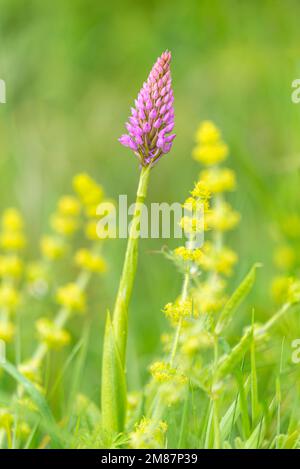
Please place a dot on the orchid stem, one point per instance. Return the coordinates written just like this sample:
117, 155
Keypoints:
120, 315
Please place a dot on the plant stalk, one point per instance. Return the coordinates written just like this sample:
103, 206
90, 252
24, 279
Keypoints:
120, 314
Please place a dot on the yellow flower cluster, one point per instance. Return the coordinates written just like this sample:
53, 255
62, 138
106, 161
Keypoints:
284, 257
286, 290
51, 334
91, 195
194, 340
222, 217
52, 247
90, 261
9, 297
31, 370
11, 266
209, 148
65, 221
194, 222
186, 254
7, 330
180, 310
218, 179
6, 419
209, 295
148, 434
12, 241
219, 260
11, 236
71, 297
164, 372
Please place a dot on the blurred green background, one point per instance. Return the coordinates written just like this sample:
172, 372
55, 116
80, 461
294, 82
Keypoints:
72, 70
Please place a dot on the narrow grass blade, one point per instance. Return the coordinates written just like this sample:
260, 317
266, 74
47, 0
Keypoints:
47, 421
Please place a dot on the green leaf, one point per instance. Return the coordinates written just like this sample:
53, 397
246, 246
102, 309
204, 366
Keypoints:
113, 397
236, 298
47, 419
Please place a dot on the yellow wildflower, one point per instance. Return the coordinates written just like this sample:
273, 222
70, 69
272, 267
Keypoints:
207, 132
209, 296
219, 179
51, 334
87, 189
9, 297
219, 260
52, 247
162, 371
64, 225
222, 217
12, 220
211, 153
193, 225
90, 261
12, 240
280, 289
193, 341
71, 297
6, 418
180, 310
148, 434
31, 370
286, 290
10, 266
69, 206
188, 254
23, 430
36, 271
284, 257
7, 331
201, 190
91, 230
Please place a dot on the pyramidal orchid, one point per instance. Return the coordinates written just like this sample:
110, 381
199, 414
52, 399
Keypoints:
150, 137
151, 122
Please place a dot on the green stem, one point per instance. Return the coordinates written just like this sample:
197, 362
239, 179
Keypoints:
183, 297
120, 315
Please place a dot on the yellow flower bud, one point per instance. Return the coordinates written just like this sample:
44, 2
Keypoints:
148, 434
90, 261
6, 418
31, 370
211, 154
91, 230
222, 217
9, 297
12, 240
284, 257
7, 331
218, 180
71, 297
51, 334
10, 266
207, 133
12, 220
69, 206
64, 225
52, 248
87, 189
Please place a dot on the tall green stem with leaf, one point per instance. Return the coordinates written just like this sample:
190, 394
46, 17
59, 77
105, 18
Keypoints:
113, 393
